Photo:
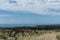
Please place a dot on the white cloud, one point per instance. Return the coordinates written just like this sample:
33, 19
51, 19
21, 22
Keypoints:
36, 6
4, 15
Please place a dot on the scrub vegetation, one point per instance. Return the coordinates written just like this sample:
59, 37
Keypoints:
30, 33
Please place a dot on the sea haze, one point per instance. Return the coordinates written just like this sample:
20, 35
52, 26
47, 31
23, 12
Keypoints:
21, 25
16, 25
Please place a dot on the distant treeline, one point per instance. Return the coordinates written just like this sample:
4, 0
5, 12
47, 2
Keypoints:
38, 27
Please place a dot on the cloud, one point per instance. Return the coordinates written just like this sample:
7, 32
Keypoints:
4, 15
45, 7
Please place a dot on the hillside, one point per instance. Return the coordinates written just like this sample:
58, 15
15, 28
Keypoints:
30, 33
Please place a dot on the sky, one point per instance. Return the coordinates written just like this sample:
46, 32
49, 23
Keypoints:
30, 12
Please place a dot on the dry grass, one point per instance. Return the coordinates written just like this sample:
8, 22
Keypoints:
30, 35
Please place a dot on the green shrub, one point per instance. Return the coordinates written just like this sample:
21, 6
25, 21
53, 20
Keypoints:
58, 37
